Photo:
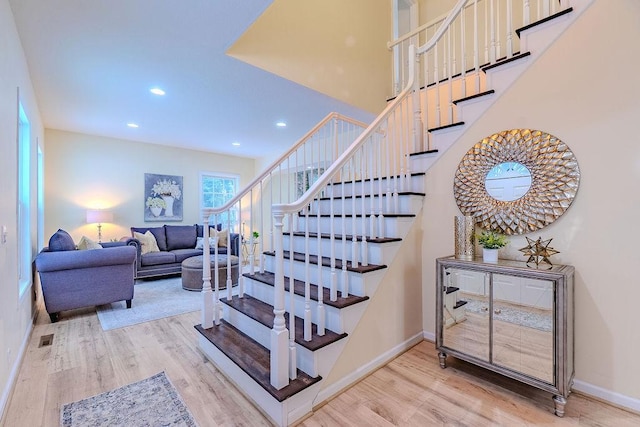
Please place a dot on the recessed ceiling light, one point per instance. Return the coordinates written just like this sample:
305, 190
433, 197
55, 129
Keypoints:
281, 124
132, 125
157, 91
235, 144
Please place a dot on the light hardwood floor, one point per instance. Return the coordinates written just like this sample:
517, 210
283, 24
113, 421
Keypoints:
412, 390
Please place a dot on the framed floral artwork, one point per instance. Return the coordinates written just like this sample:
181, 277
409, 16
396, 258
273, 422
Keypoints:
163, 198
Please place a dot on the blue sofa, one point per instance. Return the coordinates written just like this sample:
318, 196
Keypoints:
175, 243
72, 278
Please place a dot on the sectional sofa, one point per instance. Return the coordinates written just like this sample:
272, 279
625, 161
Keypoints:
175, 243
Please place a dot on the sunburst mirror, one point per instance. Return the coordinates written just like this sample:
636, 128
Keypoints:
516, 181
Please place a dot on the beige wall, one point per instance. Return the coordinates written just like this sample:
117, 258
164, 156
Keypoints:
15, 312
581, 91
334, 47
85, 171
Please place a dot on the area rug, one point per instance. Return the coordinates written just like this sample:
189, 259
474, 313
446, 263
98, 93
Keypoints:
152, 300
150, 402
513, 315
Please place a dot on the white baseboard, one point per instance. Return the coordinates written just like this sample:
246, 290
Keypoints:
364, 370
429, 336
608, 396
13, 376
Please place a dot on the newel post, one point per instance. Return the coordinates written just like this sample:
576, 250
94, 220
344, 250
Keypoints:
207, 294
279, 333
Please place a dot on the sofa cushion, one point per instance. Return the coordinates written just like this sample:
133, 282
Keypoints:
157, 258
86, 243
158, 232
180, 236
182, 254
148, 242
61, 241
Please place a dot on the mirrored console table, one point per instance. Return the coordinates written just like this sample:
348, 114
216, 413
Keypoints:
509, 318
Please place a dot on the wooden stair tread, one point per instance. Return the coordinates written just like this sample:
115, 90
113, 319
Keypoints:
263, 313
375, 179
338, 237
342, 302
477, 95
459, 304
386, 215
452, 125
451, 289
506, 61
359, 196
253, 359
326, 262
543, 20
434, 151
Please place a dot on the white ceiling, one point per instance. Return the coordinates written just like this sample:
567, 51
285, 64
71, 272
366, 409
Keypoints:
92, 63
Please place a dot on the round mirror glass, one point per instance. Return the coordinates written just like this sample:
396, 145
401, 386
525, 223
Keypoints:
508, 181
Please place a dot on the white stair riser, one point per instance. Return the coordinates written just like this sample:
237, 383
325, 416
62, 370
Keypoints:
337, 320
313, 363
377, 252
393, 226
281, 413
414, 183
358, 283
406, 204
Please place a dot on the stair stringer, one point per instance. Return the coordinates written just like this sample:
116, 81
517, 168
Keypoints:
391, 323
535, 40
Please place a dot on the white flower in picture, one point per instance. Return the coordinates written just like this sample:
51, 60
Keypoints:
166, 187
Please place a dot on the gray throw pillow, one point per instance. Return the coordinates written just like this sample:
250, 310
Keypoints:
61, 241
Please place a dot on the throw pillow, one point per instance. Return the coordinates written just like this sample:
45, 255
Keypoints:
223, 237
61, 241
213, 241
147, 241
86, 243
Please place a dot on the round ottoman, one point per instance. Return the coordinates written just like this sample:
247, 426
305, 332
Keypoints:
192, 272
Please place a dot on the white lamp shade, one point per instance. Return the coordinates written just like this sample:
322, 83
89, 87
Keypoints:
99, 216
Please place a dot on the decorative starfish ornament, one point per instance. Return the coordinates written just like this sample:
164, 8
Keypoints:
538, 251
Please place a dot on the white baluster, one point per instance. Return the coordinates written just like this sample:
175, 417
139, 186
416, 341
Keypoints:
307, 273
217, 309
354, 235
320, 308
333, 287
526, 13
509, 29
363, 192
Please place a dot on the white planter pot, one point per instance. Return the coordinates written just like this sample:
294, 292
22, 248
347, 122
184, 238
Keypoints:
490, 255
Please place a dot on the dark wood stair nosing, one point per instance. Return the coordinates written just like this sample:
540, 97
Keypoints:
505, 61
477, 95
258, 370
349, 237
543, 20
434, 151
262, 313
375, 179
342, 302
326, 262
359, 196
452, 125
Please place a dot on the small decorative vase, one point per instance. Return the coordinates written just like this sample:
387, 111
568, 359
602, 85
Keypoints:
155, 211
168, 210
490, 255
463, 237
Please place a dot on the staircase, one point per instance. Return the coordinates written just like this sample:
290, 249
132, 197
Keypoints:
330, 296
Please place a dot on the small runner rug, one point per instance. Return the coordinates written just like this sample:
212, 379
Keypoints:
150, 402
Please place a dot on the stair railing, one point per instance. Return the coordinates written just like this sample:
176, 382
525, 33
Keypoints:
244, 214
483, 33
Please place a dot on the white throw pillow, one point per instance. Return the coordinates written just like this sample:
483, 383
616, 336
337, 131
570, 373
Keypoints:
148, 242
213, 241
223, 237
86, 243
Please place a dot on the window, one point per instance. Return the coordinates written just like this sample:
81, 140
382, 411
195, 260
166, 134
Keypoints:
24, 196
215, 190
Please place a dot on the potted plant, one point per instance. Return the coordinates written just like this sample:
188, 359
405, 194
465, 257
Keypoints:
491, 241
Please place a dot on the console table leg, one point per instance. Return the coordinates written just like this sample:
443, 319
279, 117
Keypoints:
559, 402
443, 359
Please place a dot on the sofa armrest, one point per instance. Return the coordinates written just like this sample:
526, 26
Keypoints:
69, 260
130, 241
234, 239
